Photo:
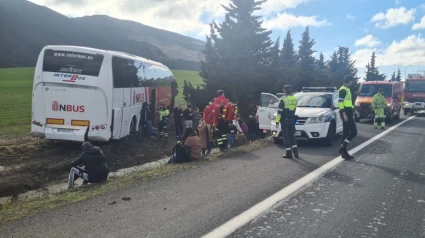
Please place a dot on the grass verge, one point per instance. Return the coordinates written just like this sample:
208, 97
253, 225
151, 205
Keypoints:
15, 210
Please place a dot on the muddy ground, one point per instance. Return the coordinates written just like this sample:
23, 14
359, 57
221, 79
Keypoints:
27, 163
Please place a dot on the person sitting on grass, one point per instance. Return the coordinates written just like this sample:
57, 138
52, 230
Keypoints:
193, 142
95, 169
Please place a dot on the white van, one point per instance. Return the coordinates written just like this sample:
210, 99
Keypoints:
317, 109
82, 94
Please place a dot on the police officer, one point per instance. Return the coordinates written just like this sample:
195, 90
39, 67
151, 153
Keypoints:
286, 117
378, 105
163, 120
346, 109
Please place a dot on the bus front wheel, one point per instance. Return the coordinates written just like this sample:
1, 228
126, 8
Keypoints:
133, 127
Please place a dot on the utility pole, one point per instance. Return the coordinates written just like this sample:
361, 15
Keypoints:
405, 71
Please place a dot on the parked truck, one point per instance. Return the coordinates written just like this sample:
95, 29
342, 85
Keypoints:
414, 93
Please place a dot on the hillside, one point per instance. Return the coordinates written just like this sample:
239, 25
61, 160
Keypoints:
25, 28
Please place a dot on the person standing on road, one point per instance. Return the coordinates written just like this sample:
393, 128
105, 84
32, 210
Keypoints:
95, 169
378, 105
196, 117
188, 116
150, 112
163, 121
178, 121
286, 118
222, 124
346, 110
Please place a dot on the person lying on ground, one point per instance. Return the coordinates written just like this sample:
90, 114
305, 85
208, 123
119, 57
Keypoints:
95, 169
193, 142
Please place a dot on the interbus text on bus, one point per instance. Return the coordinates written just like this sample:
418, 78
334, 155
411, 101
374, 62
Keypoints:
73, 55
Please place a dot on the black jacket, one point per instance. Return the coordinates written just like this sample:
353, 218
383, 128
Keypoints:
150, 112
94, 162
187, 115
178, 114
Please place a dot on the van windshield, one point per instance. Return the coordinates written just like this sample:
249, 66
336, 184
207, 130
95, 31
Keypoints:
415, 86
369, 90
72, 62
319, 100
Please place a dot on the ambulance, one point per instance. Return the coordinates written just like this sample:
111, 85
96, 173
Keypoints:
393, 92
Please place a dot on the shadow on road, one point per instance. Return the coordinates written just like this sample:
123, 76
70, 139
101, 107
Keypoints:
405, 175
305, 165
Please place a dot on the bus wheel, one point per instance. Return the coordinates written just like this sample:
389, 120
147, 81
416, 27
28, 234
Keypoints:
132, 127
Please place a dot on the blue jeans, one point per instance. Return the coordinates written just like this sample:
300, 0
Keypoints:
149, 127
172, 159
232, 139
209, 146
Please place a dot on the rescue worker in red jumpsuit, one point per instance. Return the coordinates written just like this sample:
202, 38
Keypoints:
222, 124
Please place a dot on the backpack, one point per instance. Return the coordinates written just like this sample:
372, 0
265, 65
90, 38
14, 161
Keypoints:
181, 153
231, 115
244, 127
208, 117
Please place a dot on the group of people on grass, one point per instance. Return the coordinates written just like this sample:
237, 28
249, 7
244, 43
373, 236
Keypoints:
197, 136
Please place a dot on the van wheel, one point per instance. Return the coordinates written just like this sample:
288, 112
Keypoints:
405, 111
389, 119
328, 141
398, 115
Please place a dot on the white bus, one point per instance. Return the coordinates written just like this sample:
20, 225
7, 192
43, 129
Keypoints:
85, 94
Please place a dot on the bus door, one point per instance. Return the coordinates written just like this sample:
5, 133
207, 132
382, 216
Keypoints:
118, 104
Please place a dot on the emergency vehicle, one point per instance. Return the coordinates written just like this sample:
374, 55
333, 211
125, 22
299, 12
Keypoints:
414, 93
82, 93
393, 93
317, 109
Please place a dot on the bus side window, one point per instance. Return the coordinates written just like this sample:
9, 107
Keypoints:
127, 73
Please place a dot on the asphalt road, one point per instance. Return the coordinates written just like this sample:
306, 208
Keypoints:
379, 194
376, 195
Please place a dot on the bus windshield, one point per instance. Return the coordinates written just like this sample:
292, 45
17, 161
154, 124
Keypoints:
415, 86
369, 90
72, 62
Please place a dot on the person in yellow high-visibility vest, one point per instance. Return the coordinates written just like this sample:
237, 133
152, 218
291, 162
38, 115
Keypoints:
163, 121
286, 118
378, 105
346, 110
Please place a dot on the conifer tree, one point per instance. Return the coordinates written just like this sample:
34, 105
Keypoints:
393, 77
243, 51
372, 72
307, 61
398, 77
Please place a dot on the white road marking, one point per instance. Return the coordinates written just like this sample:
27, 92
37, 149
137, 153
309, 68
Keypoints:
231, 226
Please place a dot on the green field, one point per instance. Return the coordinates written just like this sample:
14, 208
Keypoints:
15, 97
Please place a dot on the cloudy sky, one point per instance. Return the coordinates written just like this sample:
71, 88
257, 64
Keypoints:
391, 28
